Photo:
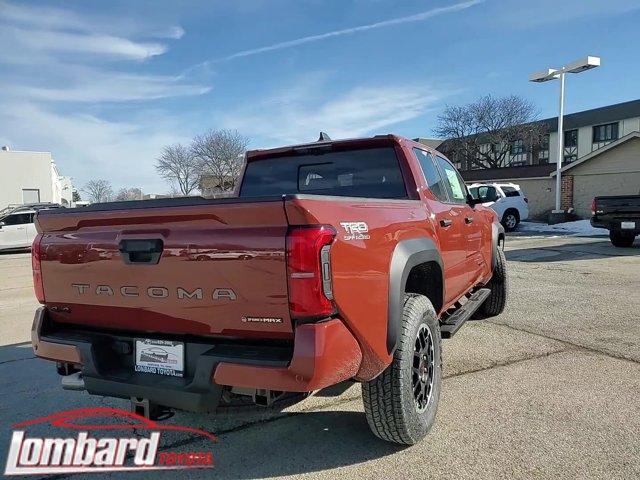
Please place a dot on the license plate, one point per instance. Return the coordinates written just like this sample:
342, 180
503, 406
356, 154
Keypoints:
161, 357
628, 225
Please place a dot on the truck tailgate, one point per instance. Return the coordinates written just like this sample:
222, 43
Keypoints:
206, 269
618, 205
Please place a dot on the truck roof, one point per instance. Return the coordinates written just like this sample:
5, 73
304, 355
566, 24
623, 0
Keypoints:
361, 142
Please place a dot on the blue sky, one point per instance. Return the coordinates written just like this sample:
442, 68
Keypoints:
104, 85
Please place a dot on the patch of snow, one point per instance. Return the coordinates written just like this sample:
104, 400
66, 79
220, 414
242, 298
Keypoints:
579, 228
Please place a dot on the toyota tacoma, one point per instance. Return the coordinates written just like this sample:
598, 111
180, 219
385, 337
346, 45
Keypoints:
336, 261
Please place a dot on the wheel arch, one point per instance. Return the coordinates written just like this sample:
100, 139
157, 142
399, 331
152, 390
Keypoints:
416, 267
511, 209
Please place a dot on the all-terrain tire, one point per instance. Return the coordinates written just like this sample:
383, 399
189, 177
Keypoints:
499, 285
619, 239
392, 410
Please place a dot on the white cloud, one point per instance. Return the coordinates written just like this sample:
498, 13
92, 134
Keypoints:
90, 85
418, 17
297, 115
66, 42
42, 17
61, 90
51, 18
37, 29
175, 32
86, 146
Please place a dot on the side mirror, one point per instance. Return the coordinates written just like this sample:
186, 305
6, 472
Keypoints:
473, 201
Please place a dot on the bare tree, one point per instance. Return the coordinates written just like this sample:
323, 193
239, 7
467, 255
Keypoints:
178, 165
220, 154
129, 194
482, 134
98, 191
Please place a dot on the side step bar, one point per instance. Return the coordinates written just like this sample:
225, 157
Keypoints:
453, 323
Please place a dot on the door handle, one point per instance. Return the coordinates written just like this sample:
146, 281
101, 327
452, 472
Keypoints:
468, 220
446, 222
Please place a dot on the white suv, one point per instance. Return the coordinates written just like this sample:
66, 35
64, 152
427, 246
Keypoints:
506, 199
17, 229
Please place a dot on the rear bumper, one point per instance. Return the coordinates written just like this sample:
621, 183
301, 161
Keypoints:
323, 354
614, 223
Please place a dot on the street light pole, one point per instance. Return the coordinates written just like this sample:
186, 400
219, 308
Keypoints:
559, 73
560, 155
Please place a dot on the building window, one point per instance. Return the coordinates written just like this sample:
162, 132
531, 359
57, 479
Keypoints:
30, 195
543, 151
571, 138
570, 145
604, 134
518, 153
484, 150
517, 147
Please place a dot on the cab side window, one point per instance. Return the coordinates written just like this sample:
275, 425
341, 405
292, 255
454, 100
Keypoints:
454, 183
431, 174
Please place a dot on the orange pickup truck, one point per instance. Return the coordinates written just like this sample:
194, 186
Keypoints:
336, 261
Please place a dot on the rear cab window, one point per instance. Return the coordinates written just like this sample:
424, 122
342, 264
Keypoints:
371, 172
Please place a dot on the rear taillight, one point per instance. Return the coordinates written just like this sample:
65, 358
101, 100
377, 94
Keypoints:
593, 207
37, 268
309, 271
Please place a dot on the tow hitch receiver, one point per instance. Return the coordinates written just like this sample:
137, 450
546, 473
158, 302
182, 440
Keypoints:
265, 398
150, 410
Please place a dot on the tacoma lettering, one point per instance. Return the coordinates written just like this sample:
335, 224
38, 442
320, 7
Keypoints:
155, 292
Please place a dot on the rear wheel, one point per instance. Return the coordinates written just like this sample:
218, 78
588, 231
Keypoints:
619, 239
510, 220
400, 404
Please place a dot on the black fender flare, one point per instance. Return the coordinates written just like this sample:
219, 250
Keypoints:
406, 255
497, 241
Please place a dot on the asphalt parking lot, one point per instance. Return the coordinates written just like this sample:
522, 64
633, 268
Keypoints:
549, 389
